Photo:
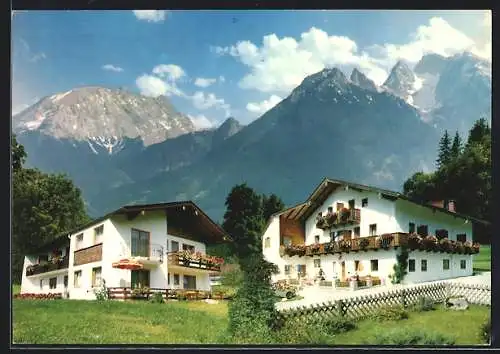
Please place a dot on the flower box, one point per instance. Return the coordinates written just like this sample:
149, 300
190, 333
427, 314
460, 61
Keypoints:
430, 243
364, 243
385, 240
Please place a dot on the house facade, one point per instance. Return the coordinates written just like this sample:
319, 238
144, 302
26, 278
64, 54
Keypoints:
165, 242
346, 229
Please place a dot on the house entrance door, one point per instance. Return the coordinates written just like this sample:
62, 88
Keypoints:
343, 271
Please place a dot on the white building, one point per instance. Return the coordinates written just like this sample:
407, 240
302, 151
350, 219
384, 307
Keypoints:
367, 229
153, 236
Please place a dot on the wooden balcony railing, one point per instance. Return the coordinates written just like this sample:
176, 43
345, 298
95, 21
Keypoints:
55, 264
195, 260
385, 241
340, 218
88, 255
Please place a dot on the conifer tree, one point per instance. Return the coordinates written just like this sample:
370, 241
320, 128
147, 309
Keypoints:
444, 151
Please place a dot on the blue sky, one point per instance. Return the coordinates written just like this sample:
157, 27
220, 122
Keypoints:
214, 64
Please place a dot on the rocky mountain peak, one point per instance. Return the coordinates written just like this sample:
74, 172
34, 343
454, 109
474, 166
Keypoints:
430, 64
228, 128
360, 79
401, 80
100, 114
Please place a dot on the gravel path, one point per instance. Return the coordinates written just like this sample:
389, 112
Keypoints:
314, 295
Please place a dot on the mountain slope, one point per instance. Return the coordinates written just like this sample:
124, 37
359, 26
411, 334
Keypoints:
103, 117
327, 127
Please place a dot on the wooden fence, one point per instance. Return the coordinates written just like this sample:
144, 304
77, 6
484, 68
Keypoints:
361, 307
167, 294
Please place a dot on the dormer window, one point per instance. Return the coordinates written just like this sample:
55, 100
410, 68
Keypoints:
364, 202
340, 206
351, 204
316, 239
330, 209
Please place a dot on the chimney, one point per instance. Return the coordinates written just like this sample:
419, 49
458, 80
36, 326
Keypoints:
451, 206
437, 203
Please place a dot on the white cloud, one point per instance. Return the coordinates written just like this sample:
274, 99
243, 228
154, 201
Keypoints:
153, 86
111, 67
171, 72
151, 15
204, 82
222, 79
264, 106
201, 122
280, 64
37, 57
204, 101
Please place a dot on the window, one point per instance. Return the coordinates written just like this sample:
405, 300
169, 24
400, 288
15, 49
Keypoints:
340, 206
140, 243
364, 202
287, 241
41, 284
287, 269
98, 231
139, 278
373, 229
96, 276
374, 265
168, 278
79, 241
65, 281
462, 237
332, 236
356, 266
411, 227
330, 209
423, 265
267, 242
301, 269
317, 263
77, 279
189, 281
357, 231
411, 265
176, 279
333, 267
441, 233
446, 264
351, 204
53, 283
423, 230
175, 246
340, 233
316, 239
186, 247
463, 264
347, 234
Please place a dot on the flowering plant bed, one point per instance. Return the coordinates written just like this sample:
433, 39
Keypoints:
344, 215
344, 245
429, 243
321, 222
414, 241
295, 250
364, 243
331, 218
33, 296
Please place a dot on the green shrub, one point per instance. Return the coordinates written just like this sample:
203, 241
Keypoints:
486, 331
391, 313
156, 298
401, 336
232, 278
424, 304
228, 291
302, 332
335, 325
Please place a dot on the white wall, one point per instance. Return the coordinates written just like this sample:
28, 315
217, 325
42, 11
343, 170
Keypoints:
378, 211
435, 266
272, 254
407, 212
332, 265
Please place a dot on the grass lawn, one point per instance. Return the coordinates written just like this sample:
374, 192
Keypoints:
113, 322
482, 260
463, 325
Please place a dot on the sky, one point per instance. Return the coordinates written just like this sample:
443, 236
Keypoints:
215, 64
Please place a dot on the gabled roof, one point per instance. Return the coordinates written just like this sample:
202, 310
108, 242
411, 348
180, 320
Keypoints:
303, 210
219, 234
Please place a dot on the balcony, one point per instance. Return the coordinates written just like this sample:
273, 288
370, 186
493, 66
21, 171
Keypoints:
342, 217
57, 263
88, 255
385, 241
149, 256
199, 261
